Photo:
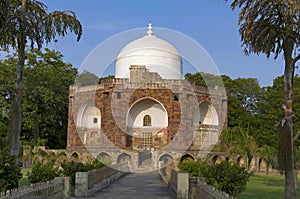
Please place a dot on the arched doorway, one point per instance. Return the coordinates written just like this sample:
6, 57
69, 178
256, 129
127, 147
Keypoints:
145, 118
187, 158
240, 160
124, 157
89, 116
208, 114
104, 157
75, 157
216, 159
166, 159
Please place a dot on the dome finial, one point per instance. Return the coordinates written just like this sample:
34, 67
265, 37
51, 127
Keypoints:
150, 31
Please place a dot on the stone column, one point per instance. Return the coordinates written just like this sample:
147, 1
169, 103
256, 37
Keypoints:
67, 185
182, 186
81, 184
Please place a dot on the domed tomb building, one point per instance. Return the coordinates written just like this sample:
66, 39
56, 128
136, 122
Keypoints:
147, 115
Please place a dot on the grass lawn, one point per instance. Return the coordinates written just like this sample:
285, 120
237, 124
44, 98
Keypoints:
257, 187
24, 180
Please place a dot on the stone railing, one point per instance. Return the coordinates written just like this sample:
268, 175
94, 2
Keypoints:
173, 179
184, 187
169, 175
177, 182
87, 183
58, 188
198, 189
115, 81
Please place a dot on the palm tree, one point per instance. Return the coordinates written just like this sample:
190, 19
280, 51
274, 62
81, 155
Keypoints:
22, 23
268, 154
236, 141
272, 27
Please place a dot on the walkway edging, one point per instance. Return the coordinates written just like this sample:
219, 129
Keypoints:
171, 187
104, 183
87, 183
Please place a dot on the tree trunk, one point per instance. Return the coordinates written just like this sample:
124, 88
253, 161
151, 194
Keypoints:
14, 127
290, 180
15, 122
36, 128
267, 174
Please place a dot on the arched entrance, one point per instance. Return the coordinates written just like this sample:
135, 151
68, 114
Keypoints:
166, 159
216, 159
104, 157
124, 157
89, 116
145, 118
75, 157
208, 114
187, 158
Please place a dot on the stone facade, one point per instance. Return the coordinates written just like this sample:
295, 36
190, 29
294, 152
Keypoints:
194, 119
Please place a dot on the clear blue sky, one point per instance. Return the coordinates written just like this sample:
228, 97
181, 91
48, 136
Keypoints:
210, 22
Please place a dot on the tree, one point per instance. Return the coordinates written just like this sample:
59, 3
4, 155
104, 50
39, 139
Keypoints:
272, 27
9, 172
204, 79
6, 93
269, 112
243, 95
46, 90
236, 141
268, 154
46, 97
87, 78
21, 22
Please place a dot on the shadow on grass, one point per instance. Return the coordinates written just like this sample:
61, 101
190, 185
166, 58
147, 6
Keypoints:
258, 189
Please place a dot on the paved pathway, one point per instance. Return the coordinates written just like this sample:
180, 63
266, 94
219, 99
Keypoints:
136, 186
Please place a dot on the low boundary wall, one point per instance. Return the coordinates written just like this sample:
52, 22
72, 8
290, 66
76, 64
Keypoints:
184, 187
58, 188
198, 189
87, 183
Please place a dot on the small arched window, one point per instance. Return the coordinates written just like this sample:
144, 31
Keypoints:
95, 120
94, 134
147, 120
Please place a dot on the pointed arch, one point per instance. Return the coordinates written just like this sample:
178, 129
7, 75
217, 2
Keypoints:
74, 156
89, 116
208, 114
187, 158
166, 159
104, 157
156, 112
240, 160
124, 157
216, 159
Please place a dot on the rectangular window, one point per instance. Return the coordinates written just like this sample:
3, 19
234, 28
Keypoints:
176, 97
146, 139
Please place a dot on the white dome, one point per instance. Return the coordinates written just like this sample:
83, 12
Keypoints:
154, 53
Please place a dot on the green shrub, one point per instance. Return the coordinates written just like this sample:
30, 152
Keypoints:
97, 164
195, 169
9, 172
230, 177
70, 168
46, 172
42, 173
